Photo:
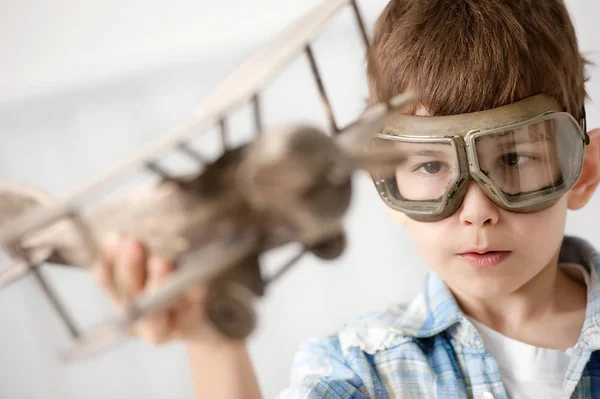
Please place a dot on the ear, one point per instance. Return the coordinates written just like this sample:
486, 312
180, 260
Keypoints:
581, 193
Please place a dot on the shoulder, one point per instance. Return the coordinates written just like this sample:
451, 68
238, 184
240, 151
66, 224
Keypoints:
370, 333
376, 331
398, 344
379, 331
578, 250
341, 359
354, 358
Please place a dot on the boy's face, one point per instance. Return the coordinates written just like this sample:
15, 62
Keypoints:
485, 251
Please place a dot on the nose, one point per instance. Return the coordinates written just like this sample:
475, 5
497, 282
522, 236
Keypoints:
477, 209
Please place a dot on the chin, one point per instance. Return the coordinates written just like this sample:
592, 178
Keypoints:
487, 292
489, 287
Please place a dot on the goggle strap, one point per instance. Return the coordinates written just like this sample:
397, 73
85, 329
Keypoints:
583, 123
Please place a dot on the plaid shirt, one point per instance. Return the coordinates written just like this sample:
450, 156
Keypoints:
428, 349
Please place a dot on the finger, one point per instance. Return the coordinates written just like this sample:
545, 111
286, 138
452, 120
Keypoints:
103, 269
130, 268
156, 328
159, 270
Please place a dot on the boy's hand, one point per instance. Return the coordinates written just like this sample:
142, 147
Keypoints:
220, 368
131, 269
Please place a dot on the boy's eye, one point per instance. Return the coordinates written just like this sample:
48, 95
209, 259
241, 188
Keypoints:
431, 167
513, 159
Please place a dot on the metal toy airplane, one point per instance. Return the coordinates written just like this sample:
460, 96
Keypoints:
290, 184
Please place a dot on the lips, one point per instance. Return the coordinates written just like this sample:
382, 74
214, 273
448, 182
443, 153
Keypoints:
483, 259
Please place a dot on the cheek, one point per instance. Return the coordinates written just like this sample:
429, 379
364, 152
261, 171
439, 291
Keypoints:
549, 221
398, 217
430, 240
540, 233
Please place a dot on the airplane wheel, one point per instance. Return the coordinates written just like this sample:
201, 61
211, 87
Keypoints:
229, 309
330, 249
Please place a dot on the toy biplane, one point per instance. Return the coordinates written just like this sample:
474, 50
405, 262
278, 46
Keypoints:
290, 184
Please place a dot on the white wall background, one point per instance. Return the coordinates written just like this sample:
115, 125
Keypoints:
83, 84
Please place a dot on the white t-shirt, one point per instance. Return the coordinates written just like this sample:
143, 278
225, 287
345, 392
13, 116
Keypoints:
526, 370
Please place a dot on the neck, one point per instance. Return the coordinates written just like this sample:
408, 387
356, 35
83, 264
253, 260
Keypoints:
549, 294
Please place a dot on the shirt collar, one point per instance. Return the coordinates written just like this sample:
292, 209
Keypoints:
578, 251
435, 310
431, 312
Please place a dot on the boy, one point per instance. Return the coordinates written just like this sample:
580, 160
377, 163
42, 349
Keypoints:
511, 306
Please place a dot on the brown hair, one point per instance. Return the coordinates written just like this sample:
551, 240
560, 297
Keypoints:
471, 55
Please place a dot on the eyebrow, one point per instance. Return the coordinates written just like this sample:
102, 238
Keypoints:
426, 153
534, 136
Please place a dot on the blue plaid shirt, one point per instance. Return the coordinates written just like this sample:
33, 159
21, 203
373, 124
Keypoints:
428, 349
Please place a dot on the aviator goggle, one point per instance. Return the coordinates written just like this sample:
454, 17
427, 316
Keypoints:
524, 156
